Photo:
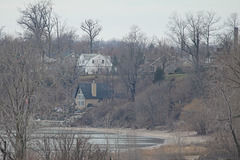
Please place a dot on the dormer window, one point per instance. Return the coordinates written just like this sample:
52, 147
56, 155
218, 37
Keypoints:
102, 61
82, 61
92, 61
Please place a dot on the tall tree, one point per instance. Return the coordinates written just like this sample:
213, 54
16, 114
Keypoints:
131, 59
49, 29
20, 88
210, 29
36, 20
232, 21
92, 28
199, 29
177, 27
195, 33
226, 38
191, 31
166, 55
224, 89
60, 27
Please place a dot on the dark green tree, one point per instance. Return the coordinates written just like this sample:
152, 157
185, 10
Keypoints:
158, 75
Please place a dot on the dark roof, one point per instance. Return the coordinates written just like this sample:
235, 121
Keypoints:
103, 91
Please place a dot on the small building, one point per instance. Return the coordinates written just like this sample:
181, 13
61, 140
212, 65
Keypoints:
70, 58
94, 63
89, 94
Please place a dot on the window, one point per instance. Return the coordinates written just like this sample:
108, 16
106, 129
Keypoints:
82, 61
80, 97
102, 61
81, 103
92, 61
80, 100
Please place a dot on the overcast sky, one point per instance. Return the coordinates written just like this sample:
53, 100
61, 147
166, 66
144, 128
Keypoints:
117, 16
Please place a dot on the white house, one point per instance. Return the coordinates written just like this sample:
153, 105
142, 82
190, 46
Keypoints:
94, 63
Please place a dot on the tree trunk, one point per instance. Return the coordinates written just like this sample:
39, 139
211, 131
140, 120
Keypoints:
91, 45
133, 91
233, 132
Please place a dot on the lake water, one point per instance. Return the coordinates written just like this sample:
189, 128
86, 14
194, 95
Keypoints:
111, 140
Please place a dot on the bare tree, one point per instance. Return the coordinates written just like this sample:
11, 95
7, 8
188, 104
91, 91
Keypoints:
199, 29
150, 109
196, 116
131, 59
158, 105
167, 55
224, 92
65, 38
49, 29
92, 28
150, 106
195, 33
69, 146
28, 89
210, 29
230, 121
36, 20
20, 89
60, 27
177, 27
226, 39
232, 21
191, 31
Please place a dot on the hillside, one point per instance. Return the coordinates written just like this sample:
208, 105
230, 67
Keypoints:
156, 105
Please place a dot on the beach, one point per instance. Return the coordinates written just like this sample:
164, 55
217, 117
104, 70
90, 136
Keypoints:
171, 138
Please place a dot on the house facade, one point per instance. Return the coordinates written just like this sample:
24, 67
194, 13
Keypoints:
94, 63
89, 94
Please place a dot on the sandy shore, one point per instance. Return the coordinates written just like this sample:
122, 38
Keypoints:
171, 138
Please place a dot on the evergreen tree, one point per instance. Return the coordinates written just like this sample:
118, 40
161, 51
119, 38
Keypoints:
158, 75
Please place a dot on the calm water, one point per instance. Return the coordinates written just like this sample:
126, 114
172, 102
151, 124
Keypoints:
110, 140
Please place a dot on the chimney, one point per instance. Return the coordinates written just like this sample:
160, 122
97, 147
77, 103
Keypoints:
235, 39
94, 89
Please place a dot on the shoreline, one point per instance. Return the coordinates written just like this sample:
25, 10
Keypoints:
170, 138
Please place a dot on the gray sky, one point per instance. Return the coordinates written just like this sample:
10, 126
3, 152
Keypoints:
117, 16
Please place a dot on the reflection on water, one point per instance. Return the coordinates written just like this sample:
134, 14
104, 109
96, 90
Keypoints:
110, 140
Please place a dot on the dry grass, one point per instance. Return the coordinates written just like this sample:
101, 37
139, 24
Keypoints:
172, 149
166, 152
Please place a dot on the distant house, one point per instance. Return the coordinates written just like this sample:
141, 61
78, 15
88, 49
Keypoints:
49, 60
94, 63
88, 94
153, 61
70, 58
